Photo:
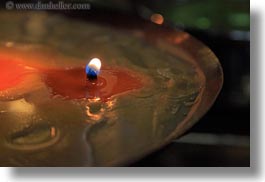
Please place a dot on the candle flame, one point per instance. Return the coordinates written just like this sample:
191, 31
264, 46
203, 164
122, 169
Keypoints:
95, 64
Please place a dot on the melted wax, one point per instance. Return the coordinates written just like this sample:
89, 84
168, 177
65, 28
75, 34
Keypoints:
71, 83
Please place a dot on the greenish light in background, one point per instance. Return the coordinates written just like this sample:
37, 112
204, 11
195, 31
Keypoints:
203, 23
239, 19
214, 15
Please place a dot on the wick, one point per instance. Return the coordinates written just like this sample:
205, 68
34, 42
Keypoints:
91, 77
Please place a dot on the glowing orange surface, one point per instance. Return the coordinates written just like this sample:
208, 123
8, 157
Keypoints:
11, 73
71, 83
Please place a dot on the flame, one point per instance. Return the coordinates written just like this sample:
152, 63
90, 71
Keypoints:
95, 64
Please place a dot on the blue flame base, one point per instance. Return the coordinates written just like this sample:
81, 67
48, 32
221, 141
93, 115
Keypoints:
91, 73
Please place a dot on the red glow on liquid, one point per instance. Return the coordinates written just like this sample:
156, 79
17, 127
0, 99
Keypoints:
72, 83
11, 73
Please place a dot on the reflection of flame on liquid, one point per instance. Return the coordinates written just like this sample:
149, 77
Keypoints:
96, 99
95, 117
111, 103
